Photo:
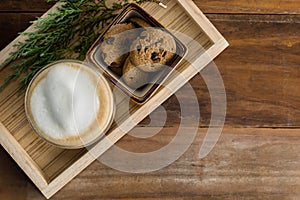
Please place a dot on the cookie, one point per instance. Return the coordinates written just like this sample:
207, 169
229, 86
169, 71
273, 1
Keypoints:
116, 45
117, 69
118, 28
133, 76
152, 50
139, 23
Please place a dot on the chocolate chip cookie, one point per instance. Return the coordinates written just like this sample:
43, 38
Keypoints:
152, 50
116, 45
133, 76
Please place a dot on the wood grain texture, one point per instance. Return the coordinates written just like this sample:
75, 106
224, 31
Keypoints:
13, 182
215, 6
250, 6
25, 6
13, 23
260, 71
247, 163
55, 167
261, 74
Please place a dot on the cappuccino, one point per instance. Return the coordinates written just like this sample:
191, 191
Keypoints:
69, 104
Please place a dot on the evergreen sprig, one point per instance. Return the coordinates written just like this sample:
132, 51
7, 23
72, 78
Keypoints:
67, 33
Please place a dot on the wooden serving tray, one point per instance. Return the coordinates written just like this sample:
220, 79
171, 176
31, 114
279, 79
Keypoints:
49, 167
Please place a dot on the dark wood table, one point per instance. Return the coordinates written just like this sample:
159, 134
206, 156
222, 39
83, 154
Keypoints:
258, 153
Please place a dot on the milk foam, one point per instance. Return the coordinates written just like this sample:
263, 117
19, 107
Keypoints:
65, 102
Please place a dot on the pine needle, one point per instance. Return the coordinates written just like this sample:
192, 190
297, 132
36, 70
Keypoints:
68, 33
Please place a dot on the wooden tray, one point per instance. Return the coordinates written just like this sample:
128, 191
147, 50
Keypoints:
49, 167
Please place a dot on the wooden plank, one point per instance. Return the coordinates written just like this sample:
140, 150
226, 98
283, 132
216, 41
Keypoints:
25, 5
216, 6
27, 164
260, 70
246, 163
253, 163
13, 23
250, 6
13, 182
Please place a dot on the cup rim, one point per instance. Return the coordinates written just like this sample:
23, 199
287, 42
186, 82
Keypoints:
82, 143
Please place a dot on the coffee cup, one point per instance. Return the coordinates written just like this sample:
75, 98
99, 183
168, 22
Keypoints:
69, 104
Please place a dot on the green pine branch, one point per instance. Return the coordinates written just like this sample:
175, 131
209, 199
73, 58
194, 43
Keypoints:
68, 33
